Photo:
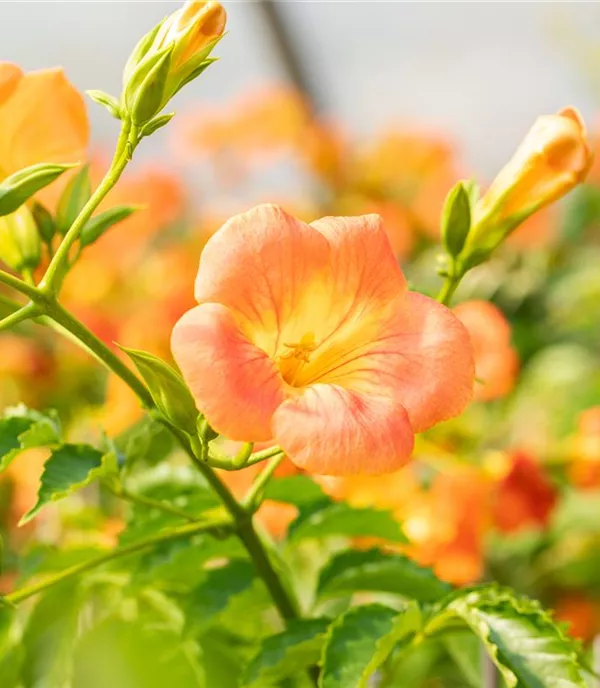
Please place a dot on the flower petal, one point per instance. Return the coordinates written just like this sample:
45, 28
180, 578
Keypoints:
235, 385
270, 270
44, 120
421, 356
330, 430
10, 75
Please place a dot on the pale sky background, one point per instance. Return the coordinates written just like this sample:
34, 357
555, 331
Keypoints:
480, 71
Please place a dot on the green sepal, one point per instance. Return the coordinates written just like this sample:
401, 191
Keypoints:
171, 396
101, 223
44, 221
156, 123
145, 91
76, 194
22, 185
107, 101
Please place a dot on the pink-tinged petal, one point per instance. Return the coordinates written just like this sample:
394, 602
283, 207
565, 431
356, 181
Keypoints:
330, 430
366, 271
421, 355
439, 372
270, 270
235, 385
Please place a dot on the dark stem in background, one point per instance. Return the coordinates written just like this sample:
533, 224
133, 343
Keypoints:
290, 54
489, 673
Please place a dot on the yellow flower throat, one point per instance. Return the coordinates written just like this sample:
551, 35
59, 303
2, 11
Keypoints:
298, 355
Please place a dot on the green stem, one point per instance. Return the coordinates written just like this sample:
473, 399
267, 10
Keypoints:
97, 347
253, 498
52, 280
150, 503
9, 303
448, 289
181, 531
25, 313
259, 456
18, 285
255, 548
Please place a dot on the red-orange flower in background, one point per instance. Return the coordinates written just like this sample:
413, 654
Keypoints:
42, 119
307, 335
496, 361
585, 450
524, 497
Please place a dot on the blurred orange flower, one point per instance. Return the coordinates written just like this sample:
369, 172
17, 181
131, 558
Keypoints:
416, 169
584, 470
496, 361
10, 75
523, 496
581, 612
42, 119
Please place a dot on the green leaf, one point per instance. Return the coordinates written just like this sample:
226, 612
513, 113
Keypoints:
360, 641
217, 590
343, 520
298, 490
107, 101
69, 468
456, 219
147, 441
49, 639
170, 393
23, 428
101, 223
374, 570
528, 648
76, 194
19, 187
287, 653
465, 651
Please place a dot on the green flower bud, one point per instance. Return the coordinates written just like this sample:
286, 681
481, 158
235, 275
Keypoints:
20, 244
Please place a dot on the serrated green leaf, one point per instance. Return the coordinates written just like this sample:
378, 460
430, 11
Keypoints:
23, 428
374, 570
74, 197
49, 639
69, 468
19, 187
101, 223
358, 643
298, 490
287, 653
343, 520
528, 648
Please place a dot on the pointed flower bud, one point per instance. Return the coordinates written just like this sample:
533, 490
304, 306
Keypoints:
553, 158
171, 55
20, 244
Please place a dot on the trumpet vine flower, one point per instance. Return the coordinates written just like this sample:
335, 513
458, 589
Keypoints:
307, 335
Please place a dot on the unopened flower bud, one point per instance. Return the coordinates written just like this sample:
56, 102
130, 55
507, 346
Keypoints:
20, 244
552, 159
170, 56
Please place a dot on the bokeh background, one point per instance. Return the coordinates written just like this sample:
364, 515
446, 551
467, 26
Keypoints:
481, 71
